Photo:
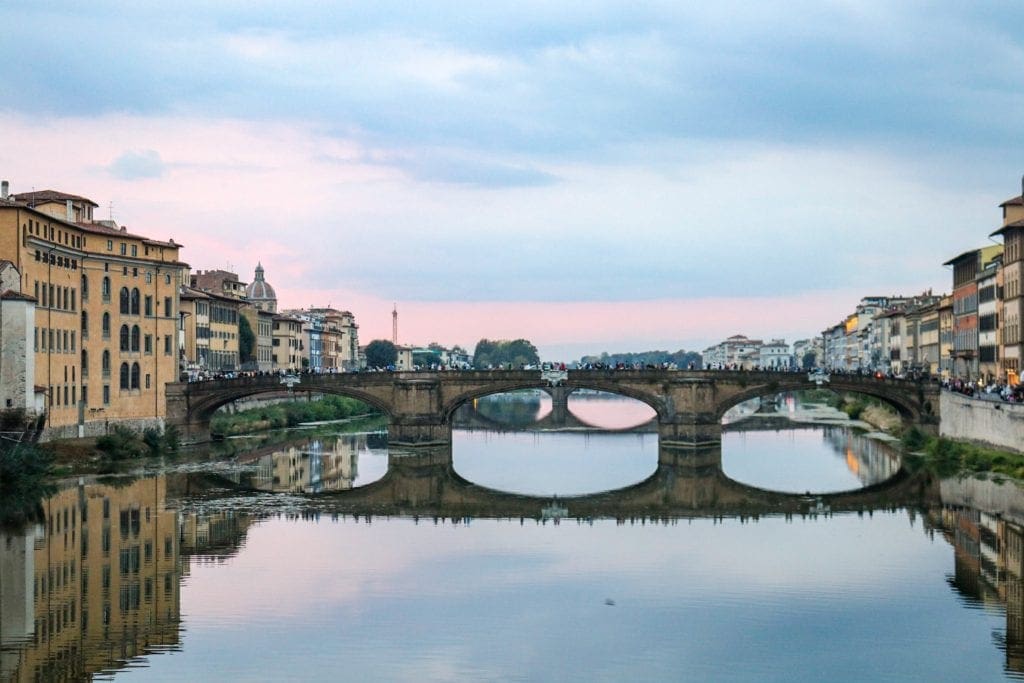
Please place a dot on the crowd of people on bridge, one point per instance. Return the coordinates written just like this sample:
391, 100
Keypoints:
993, 390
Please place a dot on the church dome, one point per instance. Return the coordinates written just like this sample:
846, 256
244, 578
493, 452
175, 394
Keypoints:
261, 293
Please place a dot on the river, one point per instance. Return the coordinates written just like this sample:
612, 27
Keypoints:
325, 557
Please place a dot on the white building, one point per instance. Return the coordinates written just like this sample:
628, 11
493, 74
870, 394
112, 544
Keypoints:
775, 355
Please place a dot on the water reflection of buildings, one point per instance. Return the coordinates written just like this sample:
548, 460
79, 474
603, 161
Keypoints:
314, 466
873, 461
91, 587
988, 563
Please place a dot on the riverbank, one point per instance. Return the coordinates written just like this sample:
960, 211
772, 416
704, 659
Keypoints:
289, 414
945, 456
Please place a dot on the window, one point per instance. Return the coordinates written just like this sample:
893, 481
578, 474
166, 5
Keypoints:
135, 375
110, 245
106, 365
148, 343
124, 249
167, 307
106, 288
85, 369
135, 338
135, 301
125, 338
106, 394
125, 306
167, 344
85, 325
149, 305
106, 325
135, 250
125, 377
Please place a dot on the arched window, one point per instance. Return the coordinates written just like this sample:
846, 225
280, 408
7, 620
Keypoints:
135, 301
124, 301
85, 325
106, 325
85, 363
124, 338
85, 287
135, 375
106, 362
124, 376
135, 337
106, 288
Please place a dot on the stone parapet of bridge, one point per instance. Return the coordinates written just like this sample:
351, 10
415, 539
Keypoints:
420, 406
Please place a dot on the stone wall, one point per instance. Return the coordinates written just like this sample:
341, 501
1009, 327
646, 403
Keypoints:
990, 422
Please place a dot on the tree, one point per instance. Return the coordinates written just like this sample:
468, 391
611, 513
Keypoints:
246, 341
380, 353
497, 353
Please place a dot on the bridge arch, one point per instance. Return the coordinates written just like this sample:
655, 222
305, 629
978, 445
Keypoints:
465, 397
203, 409
898, 400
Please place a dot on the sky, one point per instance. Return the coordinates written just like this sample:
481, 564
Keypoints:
591, 176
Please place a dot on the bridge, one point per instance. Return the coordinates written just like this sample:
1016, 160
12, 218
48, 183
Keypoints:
420, 406
687, 483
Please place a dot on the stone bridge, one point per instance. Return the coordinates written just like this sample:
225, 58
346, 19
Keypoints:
420, 405
686, 483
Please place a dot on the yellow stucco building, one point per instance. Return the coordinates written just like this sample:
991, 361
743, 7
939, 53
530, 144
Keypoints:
105, 337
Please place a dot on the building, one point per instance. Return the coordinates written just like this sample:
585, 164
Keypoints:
775, 355
17, 360
226, 298
736, 351
287, 343
966, 269
945, 310
1012, 337
259, 292
989, 303
104, 334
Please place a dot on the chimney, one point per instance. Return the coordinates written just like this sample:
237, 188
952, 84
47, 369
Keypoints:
70, 211
4, 189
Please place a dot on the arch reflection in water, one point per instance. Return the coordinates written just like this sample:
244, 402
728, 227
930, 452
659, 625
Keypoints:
546, 463
790, 459
327, 463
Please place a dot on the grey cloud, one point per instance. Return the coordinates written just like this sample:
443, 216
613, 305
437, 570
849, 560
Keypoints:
133, 165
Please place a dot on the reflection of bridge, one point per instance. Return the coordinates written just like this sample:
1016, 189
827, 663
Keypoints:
689, 404
687, 483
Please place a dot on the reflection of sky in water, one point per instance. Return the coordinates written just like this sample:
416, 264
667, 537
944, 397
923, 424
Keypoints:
548, 463
837, 599
608, 411
794, 460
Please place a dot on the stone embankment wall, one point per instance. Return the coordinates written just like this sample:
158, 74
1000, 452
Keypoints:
995, 423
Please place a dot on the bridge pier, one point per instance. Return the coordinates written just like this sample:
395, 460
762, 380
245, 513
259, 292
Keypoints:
559, 405
191, 432
419, 431
697, 461
690, 430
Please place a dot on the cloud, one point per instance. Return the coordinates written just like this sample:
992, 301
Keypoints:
134, 165
477, 173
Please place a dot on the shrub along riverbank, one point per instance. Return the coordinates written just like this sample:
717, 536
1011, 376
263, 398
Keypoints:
288, 414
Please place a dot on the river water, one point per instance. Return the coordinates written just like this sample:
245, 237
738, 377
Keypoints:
306, 559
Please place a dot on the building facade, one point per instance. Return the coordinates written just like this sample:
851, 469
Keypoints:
104, 337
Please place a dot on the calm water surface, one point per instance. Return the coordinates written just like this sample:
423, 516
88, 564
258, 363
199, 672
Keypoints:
241, 576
